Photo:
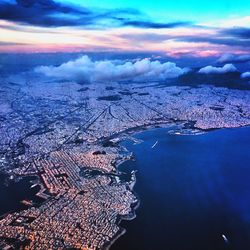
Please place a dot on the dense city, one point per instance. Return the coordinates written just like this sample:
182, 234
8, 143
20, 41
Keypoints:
68, 136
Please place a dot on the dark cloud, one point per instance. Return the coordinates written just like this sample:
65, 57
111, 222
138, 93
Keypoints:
233, 80
240, 32
10, 44
219, 40
144, 24
49, 13
44, 13
235, 37
231, 58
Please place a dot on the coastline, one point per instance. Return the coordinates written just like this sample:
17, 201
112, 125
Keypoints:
124, 136
150, 128
222, 222
132, 216
30, 196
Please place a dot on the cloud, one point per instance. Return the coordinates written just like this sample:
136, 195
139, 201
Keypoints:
236, 37
214, 39
230, 58
195, 37
10, 43
218, 70
239, 32
84, 69
146, 24
245, 75
218, 40
43, 13
50, 13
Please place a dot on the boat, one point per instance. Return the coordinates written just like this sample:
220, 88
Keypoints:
225, 238
155, 144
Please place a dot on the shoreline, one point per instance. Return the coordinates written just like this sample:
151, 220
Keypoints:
134, 132
132, 216
124, 136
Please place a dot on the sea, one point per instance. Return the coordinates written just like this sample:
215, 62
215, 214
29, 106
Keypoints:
13, 192
194, 191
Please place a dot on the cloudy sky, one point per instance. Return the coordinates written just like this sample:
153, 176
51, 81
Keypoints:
175, 28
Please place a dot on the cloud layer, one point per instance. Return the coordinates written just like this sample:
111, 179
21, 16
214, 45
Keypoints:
86, 70
50, 13
218, 70
230, 58
60, 26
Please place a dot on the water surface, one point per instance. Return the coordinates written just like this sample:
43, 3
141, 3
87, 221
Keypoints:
193, 190
12, 193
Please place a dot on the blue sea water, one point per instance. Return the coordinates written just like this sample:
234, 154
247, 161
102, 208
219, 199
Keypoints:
193, 190
12, 193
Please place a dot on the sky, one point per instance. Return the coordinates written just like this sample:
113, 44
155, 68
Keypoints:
175, 28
